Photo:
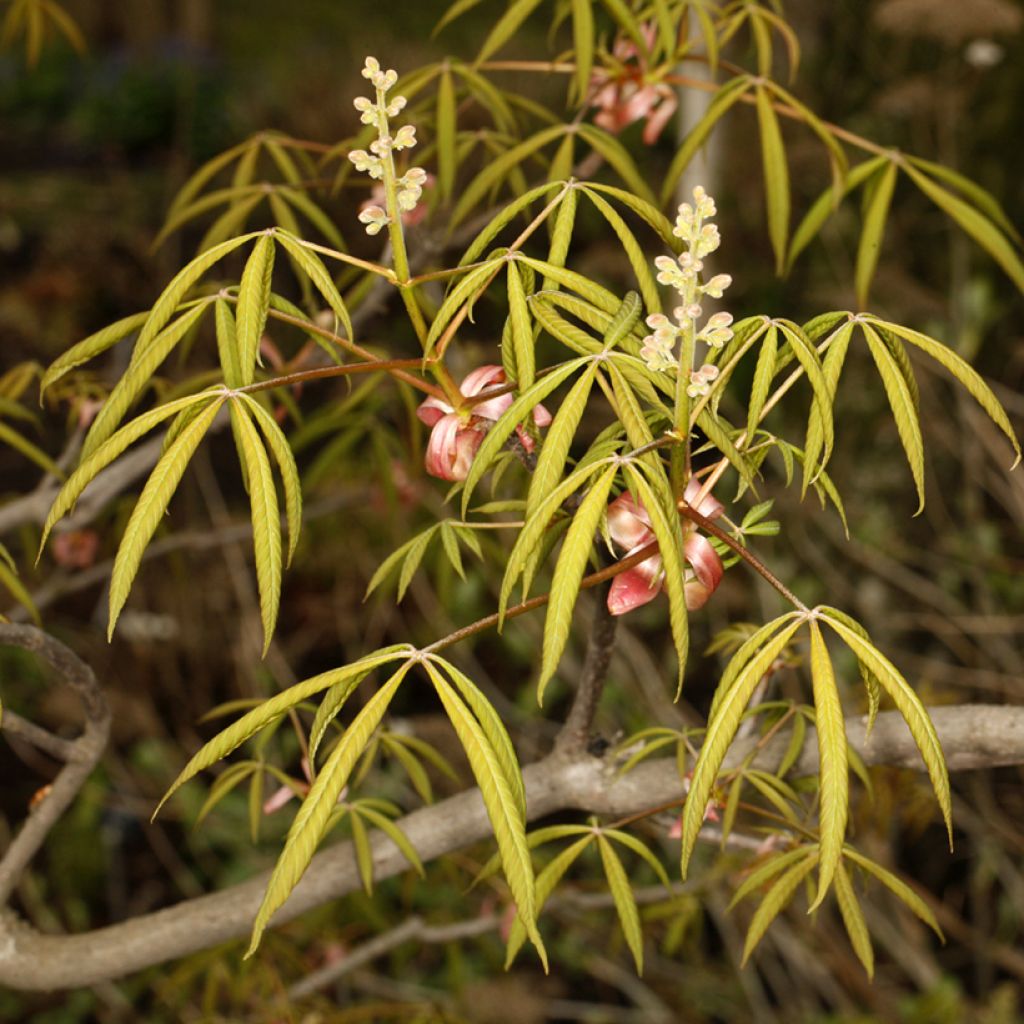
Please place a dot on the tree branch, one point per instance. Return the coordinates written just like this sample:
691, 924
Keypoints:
972, 736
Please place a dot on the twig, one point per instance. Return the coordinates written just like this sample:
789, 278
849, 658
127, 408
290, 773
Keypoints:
79, 760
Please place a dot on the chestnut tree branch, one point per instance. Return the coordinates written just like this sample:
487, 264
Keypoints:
972, 736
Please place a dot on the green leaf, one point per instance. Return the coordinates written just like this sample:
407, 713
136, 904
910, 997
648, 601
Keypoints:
505, 28
720, 732
501, 219
831, 368
718, 435
634, 253
286, 464
910, 707
9, 579
976, 224
825, 205
31, 451
494, 731
853, 920
643, 209
898, 887
143, 364
874, 227
775, 901
396, 835
445, 128
776, 176
870, 680
590, 290
766, 871
319, 275
625, 902
833, 769
583, 45
618, 158
227, 343
463, 293
329, 709
561, 233
665, 525
515, 414
90, 347
640, 850
501, 804
963, 372
573, 337
547, 881
309, 824
902, 404
982, 199
150, 508
266, 520
565, 585
726, 97
498, 169
253, 303
90, 467
554, 453
532, 534
763, 375
522, 330
209, 170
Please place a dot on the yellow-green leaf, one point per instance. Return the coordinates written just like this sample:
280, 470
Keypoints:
874, 227
775, 901
522, 330
253, 303
308, 826
853, 920
625, 901
833, 769
565, 585
776, 176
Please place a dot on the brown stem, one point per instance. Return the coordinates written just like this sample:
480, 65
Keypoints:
575, 733
324, 372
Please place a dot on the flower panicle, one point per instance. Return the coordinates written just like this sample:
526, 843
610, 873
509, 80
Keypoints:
684, 275
377, 163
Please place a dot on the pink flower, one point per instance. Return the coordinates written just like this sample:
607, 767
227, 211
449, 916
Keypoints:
456, 436
630, 528
627, 96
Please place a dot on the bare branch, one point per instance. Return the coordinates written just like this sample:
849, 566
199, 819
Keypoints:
80, 759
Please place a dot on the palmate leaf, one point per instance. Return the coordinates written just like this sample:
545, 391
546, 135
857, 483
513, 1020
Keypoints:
497, 170
269, 711
150, 508
870, 680
634, 253
776, 900
144, 362
831, 367
253, 304
285, 460
590, 290
328, 710
318, 274
901, 401
561, 232
501, 802
444, 124
266, 519
309, 824
618, 158
625, 902
395, 834
583, 45
90, 347
547, 881
766, 871
643, 209
964, 373
764, 372
90, 467
505, 28
976, 224
463, 293
720, 732
833, 771
897, 887
227, 343
910, 707
409, 554
501, 219
825, 205
574, 338
565, 584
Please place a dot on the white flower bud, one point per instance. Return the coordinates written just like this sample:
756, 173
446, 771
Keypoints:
396, 106
371, 68
405, 137
717, 285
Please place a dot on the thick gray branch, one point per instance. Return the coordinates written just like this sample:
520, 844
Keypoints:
972, 736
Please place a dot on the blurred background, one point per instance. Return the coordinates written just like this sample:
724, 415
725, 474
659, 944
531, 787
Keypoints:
93, 149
